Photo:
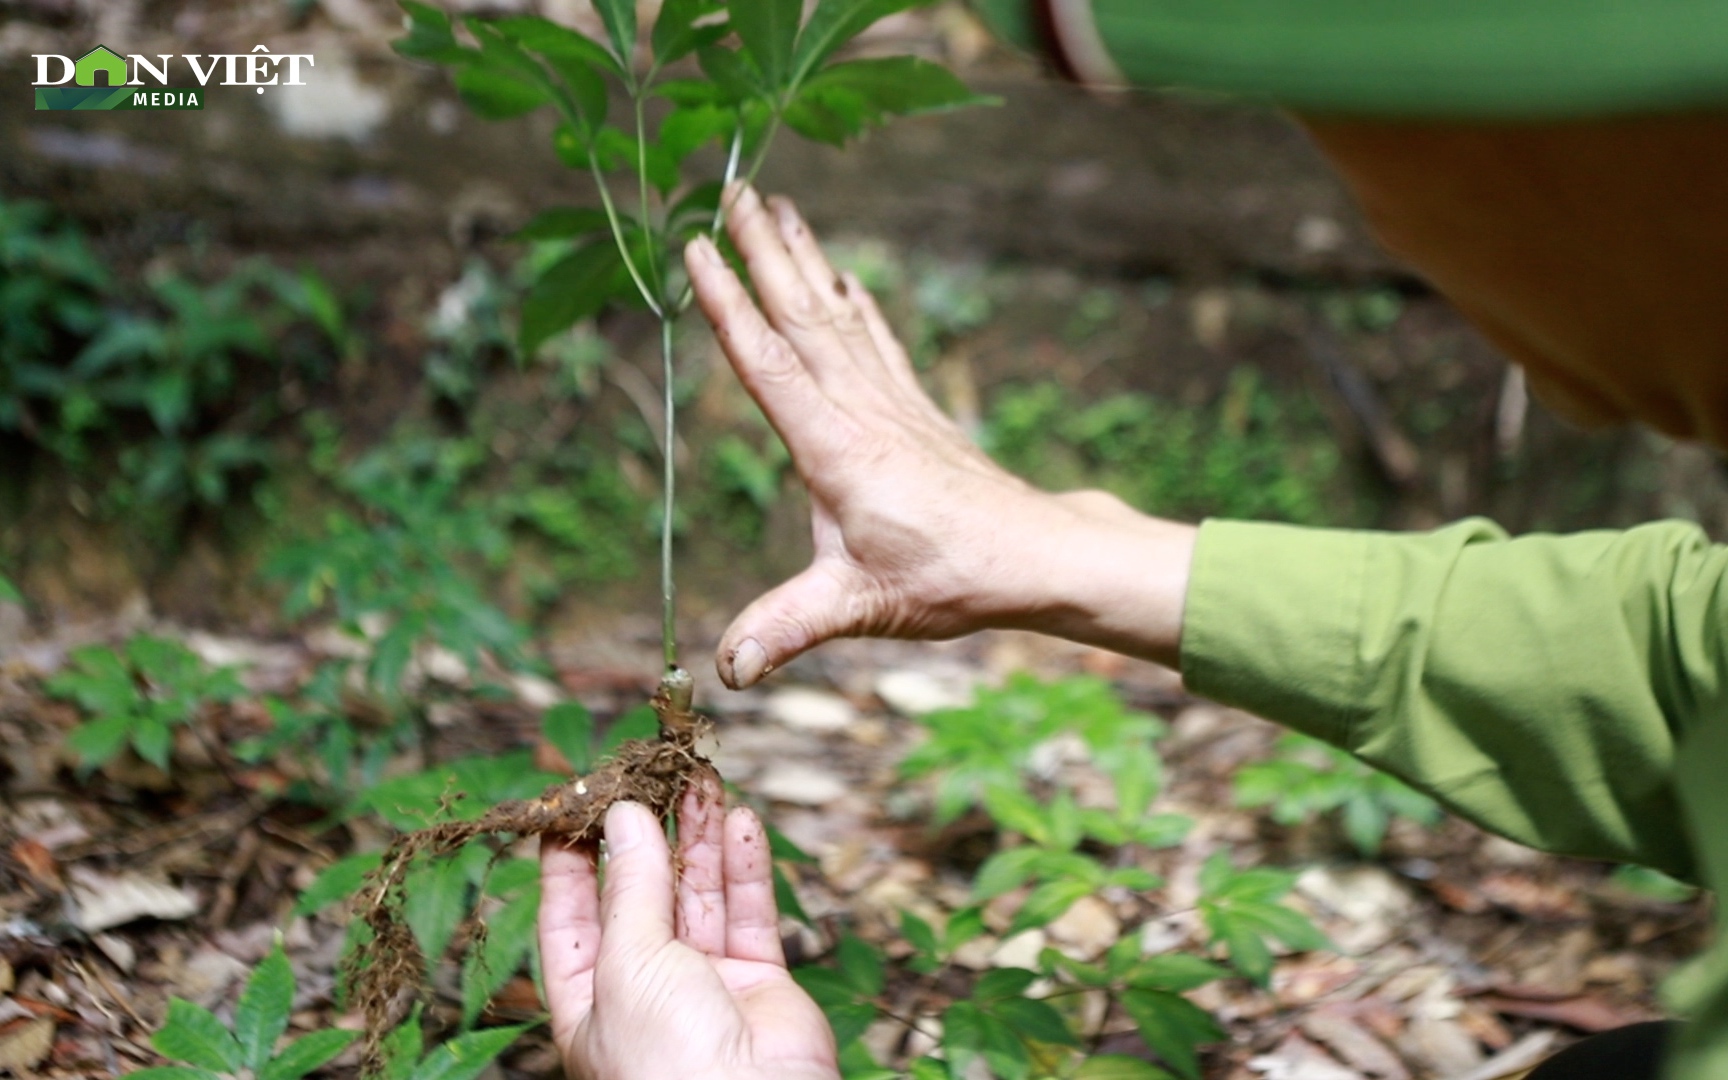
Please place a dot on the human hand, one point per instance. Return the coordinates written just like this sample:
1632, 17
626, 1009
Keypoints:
918, 534
648, 979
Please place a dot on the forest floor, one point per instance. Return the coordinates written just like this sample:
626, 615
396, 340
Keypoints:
1459, 956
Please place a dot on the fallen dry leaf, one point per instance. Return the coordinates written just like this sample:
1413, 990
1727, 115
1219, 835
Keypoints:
1336, 1027
104, 901
1587, 1012
25, 1043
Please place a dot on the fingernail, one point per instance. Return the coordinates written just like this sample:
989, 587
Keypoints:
744, 196
710, 252
749, 663
625, 827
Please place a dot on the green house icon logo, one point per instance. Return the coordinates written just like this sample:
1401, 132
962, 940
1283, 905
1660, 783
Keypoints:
100, 61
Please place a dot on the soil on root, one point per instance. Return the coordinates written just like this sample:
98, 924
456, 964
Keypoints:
386, 974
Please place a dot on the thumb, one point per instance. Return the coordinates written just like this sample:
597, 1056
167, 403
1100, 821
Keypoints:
636, 901
796, 616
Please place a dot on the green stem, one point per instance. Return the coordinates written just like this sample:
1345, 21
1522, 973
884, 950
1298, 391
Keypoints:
642, 186
668, 596
648, 296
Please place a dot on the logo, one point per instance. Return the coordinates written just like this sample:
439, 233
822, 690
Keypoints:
103, 79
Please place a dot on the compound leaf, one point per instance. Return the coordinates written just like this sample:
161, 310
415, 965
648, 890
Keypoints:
193, 1034
262, 1014
767, 29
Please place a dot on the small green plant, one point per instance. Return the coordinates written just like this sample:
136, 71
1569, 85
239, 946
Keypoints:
781, 72
173, 378
1307, 778
1648, 884
9, 593
391, 570
1024, 1023
136, 696
1250, 456
211, 1050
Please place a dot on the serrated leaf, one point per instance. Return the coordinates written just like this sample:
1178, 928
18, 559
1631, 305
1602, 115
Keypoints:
496, 93
98, 741
675, 34
1035, 1020
1002, 982
963, 926
436, 901
192, 1034
173, 1072
1047, 904
338, 881
153, 741
430, 36
768, 29
1017, 811
308, 1052
402, 1046
826, 986
733, 74
619, 16
569, 727
781, 847
862, 965
1003, 872
834, 23
1175, 972
1247, 952
466, 1057
637, 723
575, 287
509, 941
262, 1014
919, 934
840, 102
849, 1021
1173, 1027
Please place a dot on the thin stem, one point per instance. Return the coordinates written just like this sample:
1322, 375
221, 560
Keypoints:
648, 296
733, 157
668, 596
642, 186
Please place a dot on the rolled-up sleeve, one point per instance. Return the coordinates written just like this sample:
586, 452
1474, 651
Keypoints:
1538, 686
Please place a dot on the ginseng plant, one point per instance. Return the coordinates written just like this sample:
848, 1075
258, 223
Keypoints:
759, 67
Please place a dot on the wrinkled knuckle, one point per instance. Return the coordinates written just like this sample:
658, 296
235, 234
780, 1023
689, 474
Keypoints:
776, 363
804, 312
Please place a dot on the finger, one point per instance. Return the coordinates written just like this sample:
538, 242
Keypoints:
764, 361
794, 309
636, 902
797, 615
569, 930
831, 287
701, 879
752, 918
888, 347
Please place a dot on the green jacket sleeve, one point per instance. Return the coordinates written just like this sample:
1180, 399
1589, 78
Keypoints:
1509, 59
1537, 686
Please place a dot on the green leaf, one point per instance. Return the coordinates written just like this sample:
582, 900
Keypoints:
509, 941
620, 19
401, 1049
963, 926
1001, 983
1119, 1067
569, 727
840, 102
827, 987
850, 1021
1035, 1020
497, 93
436, 900
675, 33
1248, 953
577, 61
1017, 811
574, 288
262, 1014
1050, 961
686, 129
193, 1034
637, 723
1004, 872
781, 847
338, 881
564, 223
1046, 904
9, 593
466, 1057
919, 934
862, 965
834, 23
1162, 830
1176, 972
308, 1052
733, 73
767, 29
430, 36
97, 742
786, 897
174, 1072
153, 741
1173, 1027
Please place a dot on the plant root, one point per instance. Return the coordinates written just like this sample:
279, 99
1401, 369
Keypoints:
386, 974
